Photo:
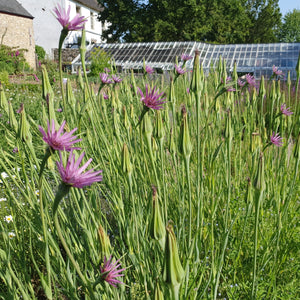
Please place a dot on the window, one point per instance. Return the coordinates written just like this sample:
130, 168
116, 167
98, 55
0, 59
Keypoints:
92, 21
78, 10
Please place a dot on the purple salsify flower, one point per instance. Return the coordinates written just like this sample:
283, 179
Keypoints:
58, 140
40, 63
179, 70
230, 89
110, 271
276, 71
185, 57
151, 98
107, 70
17, 53
36, 78
188, 90
21, 108
276, 139
72, 174
116, 79
105, 96
149, 70
63, 18
285, 111
104, 78
241, 83
250, 79
59, 110
15, 150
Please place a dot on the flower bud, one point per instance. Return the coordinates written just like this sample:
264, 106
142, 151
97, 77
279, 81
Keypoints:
157, 227
24, 129
105, 247
3, 100
173, 271
126, 165
259, 181
185, 145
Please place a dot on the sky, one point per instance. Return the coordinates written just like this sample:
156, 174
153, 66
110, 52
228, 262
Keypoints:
288, 5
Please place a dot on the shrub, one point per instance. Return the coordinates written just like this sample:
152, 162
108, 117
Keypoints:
40, 52
12, 60
4, 78
99, 61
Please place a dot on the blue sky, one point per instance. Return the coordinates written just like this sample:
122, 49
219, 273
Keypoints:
288, 5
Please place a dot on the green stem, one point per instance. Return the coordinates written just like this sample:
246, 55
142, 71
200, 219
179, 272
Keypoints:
47, 258
63, 35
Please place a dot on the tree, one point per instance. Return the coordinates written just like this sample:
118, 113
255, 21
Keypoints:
265, 20
290, 29
215, 21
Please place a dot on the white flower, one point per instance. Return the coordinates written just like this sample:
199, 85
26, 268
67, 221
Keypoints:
2, 199
11, 235
4, 175
8, 219
37, 192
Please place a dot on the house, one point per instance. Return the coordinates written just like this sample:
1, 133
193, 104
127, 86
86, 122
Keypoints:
47, 29
16, 28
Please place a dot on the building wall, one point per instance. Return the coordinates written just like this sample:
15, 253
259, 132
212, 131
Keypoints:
47, 29
19, 33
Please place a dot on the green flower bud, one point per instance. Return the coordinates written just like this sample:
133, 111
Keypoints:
126, 164
185, 144
105, 247
195, 86
157, 226
259, 181
173, 270
3, 100
24, 129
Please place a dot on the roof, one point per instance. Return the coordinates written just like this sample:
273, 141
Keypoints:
93, 4
13, 7
249, 58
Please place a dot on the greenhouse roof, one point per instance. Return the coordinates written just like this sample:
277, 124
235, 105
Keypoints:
250, 58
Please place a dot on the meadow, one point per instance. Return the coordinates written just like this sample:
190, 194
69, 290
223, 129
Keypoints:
198, 197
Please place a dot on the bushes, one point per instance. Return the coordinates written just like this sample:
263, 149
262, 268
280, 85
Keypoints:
99, 61
40, 52
4, 78
12, 60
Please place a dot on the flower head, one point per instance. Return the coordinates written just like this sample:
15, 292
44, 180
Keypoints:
276, 71
58, 140
104, 78
105, 96
241, 83
63, 18
110, 271
149, 70
116, 78
276, 139
250, 79
179, 70
11, 235
107, 70
185, 57
152, 97
72, 174
8, 219
285, 111
15, 150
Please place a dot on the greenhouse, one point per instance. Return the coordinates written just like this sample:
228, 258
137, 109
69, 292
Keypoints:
256, 59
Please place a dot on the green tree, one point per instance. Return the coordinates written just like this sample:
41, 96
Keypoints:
216, 21
290, 29
265, 19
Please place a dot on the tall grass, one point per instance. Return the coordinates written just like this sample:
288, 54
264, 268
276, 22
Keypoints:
195, 201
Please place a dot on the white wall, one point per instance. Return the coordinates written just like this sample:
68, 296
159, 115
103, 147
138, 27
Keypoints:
47, 29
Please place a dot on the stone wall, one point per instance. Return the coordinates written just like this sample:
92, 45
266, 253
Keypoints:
68, 55
18, 32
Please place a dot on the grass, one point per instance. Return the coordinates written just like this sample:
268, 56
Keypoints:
237, 232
